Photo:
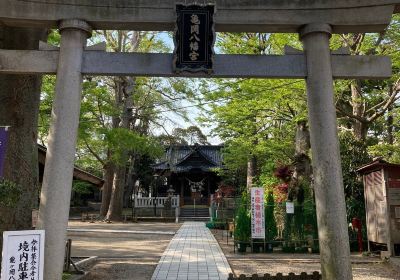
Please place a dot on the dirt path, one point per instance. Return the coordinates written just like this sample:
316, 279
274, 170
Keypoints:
364, 268
121, 255
124, 256
123, 269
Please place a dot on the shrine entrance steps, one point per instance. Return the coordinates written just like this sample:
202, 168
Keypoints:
193, 254
194, 214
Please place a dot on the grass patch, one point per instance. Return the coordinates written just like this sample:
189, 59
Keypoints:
66, 276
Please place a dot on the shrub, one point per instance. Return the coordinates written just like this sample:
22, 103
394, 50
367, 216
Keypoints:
270, 223
10, 193
243, 221
82, 187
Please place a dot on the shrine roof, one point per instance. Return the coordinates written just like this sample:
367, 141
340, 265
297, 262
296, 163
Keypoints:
376, 164
180, 158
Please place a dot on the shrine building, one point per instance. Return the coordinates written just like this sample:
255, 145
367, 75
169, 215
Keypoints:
190, 171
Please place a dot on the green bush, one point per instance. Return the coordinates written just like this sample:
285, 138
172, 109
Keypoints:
82, 187
270, 223
243, 221
10, 193
66, 276
210, 225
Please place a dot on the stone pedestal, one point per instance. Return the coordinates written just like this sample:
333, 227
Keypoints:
58, 173
328, 179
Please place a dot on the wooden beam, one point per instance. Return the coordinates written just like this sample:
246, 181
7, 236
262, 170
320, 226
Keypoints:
225, 66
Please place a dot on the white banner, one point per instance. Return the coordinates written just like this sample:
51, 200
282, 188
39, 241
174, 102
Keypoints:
23, 255
257, 213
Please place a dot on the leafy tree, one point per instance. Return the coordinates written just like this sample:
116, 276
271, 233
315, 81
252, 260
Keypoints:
184, 136
190, 135
118, 117
353, 154
361, 104
256, 118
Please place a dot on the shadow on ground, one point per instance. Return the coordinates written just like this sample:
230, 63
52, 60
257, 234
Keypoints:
364, 268
121, 255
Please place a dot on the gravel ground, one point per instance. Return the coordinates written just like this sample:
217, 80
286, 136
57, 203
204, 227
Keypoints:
372, 271
121, 255
124, 256
364, 268
123, 269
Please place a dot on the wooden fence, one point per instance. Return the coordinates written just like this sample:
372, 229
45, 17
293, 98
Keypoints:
303, 276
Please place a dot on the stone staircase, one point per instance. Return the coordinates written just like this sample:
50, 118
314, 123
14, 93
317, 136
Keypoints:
200, 214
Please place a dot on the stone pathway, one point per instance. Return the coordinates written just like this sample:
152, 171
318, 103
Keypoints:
193, 254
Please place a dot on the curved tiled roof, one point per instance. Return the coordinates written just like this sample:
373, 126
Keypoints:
181, 158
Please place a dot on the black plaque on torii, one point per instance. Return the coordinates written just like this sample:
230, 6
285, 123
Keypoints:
194, 38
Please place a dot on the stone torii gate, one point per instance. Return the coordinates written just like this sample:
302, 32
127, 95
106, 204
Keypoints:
314, 20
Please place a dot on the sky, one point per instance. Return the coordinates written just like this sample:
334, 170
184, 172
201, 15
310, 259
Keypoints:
193, 112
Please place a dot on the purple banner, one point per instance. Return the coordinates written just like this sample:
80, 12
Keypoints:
3, 148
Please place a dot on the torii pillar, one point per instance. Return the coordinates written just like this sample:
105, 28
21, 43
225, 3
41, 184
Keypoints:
327, 170
58, 172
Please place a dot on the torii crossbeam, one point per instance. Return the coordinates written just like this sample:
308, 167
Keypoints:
101, 63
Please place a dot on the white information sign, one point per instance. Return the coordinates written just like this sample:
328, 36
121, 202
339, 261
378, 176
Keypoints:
257, 213
23, 255
289, 207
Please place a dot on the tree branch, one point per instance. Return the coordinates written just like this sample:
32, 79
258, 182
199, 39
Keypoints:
94, 153
393, 97
350, 115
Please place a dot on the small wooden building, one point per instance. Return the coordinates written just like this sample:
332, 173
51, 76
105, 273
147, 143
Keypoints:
190, 172
79, 174
382, 203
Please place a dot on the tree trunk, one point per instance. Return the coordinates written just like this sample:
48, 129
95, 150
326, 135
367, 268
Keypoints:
302, 160
251, 171
116, 204
360, 129
19, 99
130, 182
123, 93
302, 166
107, 189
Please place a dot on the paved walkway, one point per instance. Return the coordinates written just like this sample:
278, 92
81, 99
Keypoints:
193, 254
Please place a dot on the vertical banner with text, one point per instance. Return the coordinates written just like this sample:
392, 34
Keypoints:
3, 147
257, 213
